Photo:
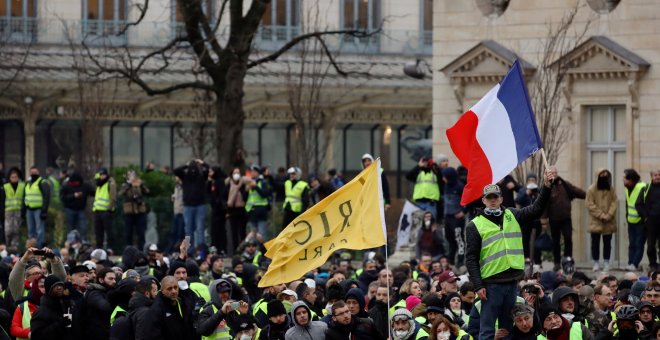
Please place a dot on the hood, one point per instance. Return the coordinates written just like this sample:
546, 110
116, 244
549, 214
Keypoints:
96, 286
139, 300
235, 293
450, 174
356, 293
297, 305
596, 177
76, 177
130, 256
563, 292
218, 174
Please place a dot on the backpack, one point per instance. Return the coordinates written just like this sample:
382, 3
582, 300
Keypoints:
122, 329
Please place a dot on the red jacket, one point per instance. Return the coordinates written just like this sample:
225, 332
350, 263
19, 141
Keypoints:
17, 329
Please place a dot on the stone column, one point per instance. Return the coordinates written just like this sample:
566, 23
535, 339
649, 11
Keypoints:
29, 130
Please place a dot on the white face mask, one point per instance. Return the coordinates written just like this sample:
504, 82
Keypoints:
236, 177
245, 337
183, 285
444, 335
427, 223
400, 333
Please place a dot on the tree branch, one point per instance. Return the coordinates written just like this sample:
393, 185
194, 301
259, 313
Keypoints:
143, 12
295, 41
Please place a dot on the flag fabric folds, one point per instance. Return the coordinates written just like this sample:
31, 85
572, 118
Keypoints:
406, 225
496, 134
351, 218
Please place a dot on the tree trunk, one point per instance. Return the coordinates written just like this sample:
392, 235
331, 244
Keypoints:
230, 118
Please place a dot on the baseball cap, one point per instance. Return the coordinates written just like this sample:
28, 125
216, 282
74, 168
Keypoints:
291, 170
492, 189
289, 292
223, 286
448, 276
102, 171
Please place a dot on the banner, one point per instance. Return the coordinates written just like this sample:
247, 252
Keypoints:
350, 218
406, 224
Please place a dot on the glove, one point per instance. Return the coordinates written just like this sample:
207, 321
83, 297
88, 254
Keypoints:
43, 215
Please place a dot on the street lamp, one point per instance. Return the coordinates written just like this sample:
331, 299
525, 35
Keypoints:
417, 69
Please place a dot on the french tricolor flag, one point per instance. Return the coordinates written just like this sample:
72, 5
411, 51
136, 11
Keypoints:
496, 134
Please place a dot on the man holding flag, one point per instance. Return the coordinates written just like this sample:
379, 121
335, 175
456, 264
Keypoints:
491, 139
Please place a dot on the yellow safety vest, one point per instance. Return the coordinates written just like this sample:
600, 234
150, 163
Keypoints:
113, 316
260, 305
631, 199
421, 333
27, 317
293, 195
14, 199
219, 332
256, 258
254, 199
398, 305
201, 290
501, 249
426, 186
33, 197
462, 335
574, 334
102, 198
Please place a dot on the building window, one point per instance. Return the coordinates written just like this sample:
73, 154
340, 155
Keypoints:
606, 147
179, 22
281, 21
18, 20
363, 15
426, 19
104, 18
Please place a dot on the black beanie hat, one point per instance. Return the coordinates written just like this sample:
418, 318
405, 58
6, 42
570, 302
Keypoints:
275, 308
176, 265
547, 309
192, 268
335, 292
51, 281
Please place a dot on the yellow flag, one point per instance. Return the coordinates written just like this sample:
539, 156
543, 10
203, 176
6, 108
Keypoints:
351, 218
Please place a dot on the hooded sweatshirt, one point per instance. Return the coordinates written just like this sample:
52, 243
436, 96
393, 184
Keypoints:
212, 319
356, 294
314, 330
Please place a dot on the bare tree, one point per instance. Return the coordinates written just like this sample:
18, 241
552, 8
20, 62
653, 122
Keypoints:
546, 90
224, 60
199, 138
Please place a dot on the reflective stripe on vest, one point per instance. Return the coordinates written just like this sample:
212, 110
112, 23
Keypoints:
27, 317
421, 333
293, 195
33, 197
102, 198
501, 249
426, 186
221, 331
260, 305
14, 199
201, 290
256, 258
254, 199
113, 316
631, 199
462, 334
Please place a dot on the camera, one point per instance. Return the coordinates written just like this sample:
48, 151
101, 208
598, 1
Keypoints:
532, 289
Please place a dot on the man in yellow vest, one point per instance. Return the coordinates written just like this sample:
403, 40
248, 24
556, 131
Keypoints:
494, 255
426, 192
258, 202
12, 196
296, 196
215, 316
637, 238
105, 200
37, 200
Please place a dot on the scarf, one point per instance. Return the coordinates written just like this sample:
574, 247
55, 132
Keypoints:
561, 333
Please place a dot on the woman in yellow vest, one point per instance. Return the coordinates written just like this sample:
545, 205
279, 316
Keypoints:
11, 204
37, 200
634, 186
20, 323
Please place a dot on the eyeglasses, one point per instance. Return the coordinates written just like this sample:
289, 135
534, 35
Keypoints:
656, 288
342, 313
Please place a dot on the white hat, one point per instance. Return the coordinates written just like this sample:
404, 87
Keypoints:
367, 156
310, 283
99, 255
292, 170
289, 292
90, 265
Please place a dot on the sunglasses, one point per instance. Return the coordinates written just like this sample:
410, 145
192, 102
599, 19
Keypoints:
656, 288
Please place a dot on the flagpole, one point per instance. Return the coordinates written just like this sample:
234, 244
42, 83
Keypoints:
389, 289
545, 160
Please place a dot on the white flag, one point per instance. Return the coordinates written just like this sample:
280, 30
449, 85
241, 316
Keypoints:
406, 225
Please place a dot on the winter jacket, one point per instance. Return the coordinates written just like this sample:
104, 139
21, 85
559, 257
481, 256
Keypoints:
314, 330
97, 311
167, 323
17, 277
74, 185
601, 202
473, 249
193, 180
44, 186
453, 192
358, 295
17, 329
138, 312
134, 200
648, 202
561, 195
216, 189
49, 323
358, 329
274, 331
209, 319
379, 313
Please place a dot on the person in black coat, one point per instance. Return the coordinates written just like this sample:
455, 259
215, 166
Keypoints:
346, 326
278, 322
52, 320
217, 193
130, 326
74, 195
170, 317
193, 182
96, 307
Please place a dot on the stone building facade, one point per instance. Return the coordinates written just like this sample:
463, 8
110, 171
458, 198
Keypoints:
609, 96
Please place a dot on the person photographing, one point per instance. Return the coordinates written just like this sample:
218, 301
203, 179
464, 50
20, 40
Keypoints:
494, 255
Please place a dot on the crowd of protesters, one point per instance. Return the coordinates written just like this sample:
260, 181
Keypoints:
190, 291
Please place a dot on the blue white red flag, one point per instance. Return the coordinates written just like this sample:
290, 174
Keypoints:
496, 134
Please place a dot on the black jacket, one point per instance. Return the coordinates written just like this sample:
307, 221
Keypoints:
48, 322
217, 192
358, 329
193, 180
165, 321
138, 312
648, 205
379, 314
275, 332
73, 186
473, 249
97, 311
